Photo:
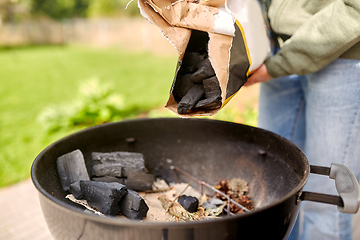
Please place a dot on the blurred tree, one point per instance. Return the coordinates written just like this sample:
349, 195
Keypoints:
131, 7
106, 8
60, 9
101, 8
11, 10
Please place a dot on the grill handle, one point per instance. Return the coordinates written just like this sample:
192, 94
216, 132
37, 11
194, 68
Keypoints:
346, 185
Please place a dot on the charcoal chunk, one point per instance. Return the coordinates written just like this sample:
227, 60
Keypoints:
182, 86
209, 103
110, 169
190, 61
212, 96
109, 179
71, 168
137, 181
205, 70
124, 167
75, 189
102, 196
212, 87
189, 203
103, 163
133, 206
191, 98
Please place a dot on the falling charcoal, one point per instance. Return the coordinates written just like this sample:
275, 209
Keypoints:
71, 168
104, 197
190, 61
125, 167
205, 70
191, 98
189, 203
133, 206
182, 86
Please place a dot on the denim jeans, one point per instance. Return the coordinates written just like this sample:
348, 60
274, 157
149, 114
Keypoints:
320, 113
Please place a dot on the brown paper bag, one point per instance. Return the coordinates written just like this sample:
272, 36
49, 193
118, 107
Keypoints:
229, 38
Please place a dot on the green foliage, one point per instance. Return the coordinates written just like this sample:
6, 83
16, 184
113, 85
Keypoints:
250, 115
33, 78
100, 8
129, 7
12, 10
60, 9
106, 8
96, 103
227, 114
63, 9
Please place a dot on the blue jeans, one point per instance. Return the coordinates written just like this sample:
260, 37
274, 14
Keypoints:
320, 113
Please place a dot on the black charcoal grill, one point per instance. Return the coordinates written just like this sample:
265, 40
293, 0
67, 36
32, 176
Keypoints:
209, 150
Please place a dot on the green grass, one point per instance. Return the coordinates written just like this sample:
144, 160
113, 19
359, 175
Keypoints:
32, 78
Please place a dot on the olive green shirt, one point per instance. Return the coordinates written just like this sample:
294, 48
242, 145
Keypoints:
321, 31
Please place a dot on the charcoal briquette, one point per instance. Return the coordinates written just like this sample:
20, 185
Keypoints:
128, 159
190, 61
109, 179
182, 85
133, 206
190, 203
71, 168
212, 96
191, 98
102, 196
75, 189
139, 180
205, 70
212, 87
124, 167
108, 169
209, 103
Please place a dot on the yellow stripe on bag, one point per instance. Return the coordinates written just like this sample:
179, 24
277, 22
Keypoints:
249, 59
245, 43
228, 99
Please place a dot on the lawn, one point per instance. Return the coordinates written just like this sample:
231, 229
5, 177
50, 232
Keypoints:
33, 78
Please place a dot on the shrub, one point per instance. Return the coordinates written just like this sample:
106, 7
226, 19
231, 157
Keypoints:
96, 103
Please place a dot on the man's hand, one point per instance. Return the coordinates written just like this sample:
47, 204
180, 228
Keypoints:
260, 75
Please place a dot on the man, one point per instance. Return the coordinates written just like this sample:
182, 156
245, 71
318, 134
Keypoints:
310, 94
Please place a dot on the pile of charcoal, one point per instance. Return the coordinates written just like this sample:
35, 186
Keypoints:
115, 179
119, 182
196, 85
